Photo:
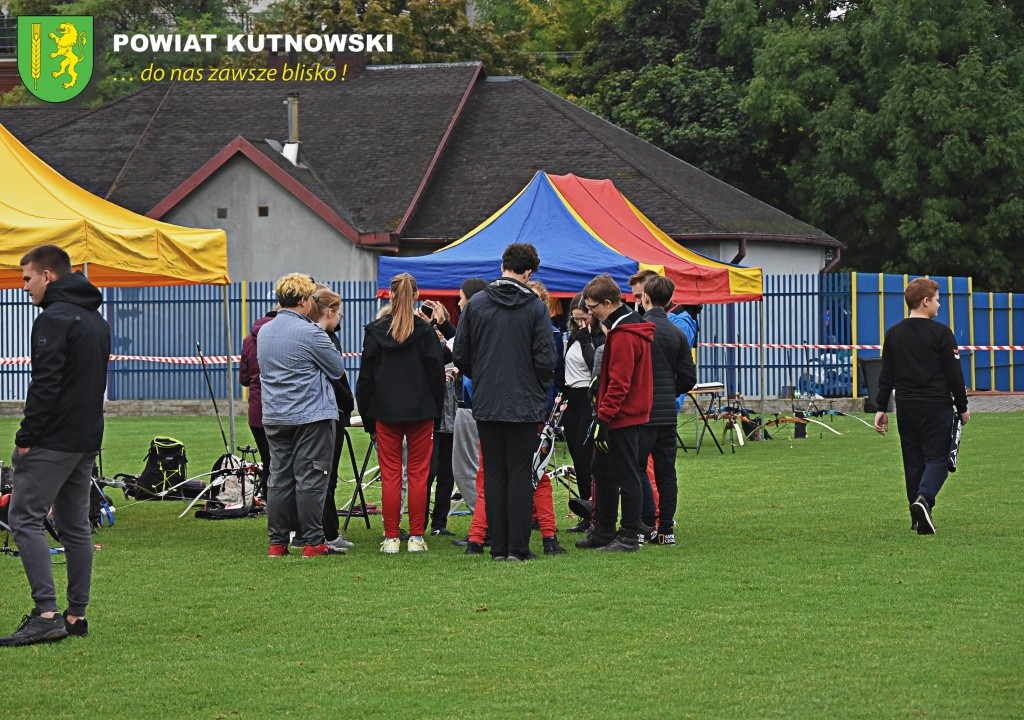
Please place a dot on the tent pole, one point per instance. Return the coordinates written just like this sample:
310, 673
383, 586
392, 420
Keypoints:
761, 350
230, 368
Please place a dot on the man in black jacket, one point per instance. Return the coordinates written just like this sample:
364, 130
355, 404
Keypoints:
58, 440
674, 374
504, 344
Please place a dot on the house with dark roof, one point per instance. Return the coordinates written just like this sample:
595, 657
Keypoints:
394, 159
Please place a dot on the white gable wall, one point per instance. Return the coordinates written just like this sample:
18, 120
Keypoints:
291, 238
774, 258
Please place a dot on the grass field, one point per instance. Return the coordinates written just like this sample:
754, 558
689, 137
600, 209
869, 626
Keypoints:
797, 590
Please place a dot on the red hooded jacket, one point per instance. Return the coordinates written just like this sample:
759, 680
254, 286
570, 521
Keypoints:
625, 390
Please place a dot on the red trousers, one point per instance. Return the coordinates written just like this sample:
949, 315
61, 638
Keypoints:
543, 508
654, 488
420, 438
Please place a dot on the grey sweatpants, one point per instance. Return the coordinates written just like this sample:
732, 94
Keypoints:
49, 478
466, 455
300, 467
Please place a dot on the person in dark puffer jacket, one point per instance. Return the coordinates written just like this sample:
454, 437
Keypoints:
674, 374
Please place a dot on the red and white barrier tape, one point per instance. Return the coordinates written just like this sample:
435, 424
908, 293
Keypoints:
805, 346
222, 359
210, 360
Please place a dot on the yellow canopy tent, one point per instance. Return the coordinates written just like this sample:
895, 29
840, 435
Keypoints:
119, 248
115, 247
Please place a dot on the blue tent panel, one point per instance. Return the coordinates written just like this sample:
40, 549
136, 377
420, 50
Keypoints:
569, 255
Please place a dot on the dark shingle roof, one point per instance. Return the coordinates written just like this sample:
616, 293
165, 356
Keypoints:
87, 146
511, 128
369, 141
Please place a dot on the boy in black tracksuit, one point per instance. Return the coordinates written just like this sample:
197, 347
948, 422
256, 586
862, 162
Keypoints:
674, 374
921, 360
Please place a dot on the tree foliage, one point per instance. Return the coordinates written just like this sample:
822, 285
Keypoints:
895, 125
425, 31
911, 127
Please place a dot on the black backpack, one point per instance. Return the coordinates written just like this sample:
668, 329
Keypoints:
165, 472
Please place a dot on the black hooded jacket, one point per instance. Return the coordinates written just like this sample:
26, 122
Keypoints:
505, 345
400, 382
672, 362
70, 350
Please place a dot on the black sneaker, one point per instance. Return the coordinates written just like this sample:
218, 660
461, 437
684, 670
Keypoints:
552, 547
668, 538
582, 527
403, 534
581, 508
473, 548
442, 531
79, 628
593, 540
648, 533
36, 629
922, 514
621, 544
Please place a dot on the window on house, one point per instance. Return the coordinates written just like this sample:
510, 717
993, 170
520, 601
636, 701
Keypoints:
222, 213
263, 210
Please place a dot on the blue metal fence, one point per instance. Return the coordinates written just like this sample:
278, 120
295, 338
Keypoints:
807, 309
835, 309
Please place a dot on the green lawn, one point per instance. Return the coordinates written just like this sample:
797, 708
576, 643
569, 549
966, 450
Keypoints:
797, 591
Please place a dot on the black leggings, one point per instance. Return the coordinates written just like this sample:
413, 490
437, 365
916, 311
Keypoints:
576, 423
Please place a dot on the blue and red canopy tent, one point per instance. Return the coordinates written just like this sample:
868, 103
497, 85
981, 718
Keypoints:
581, 228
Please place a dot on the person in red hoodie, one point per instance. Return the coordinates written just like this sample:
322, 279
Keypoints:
625, 393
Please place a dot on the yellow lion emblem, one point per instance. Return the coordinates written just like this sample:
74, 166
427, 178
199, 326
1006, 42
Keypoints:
69, 37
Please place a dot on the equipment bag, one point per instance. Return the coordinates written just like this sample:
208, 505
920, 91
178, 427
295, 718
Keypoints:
165, 472
232, 490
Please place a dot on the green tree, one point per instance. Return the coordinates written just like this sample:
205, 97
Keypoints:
657, 72
907, 122
425, 31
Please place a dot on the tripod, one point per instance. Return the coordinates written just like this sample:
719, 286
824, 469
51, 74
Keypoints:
356, 507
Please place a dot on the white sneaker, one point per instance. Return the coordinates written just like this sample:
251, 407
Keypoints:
341, 543
390, 546
417, 544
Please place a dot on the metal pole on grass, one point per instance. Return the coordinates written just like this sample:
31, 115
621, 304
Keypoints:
230, 370
761, 350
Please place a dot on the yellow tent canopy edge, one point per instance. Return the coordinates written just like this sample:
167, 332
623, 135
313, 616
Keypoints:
118, 248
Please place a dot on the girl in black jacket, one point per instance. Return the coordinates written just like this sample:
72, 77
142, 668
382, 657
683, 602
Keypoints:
327, 315
400, 392
579, 413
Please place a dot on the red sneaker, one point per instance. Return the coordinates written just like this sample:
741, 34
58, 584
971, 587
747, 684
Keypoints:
309, 551
277, 551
